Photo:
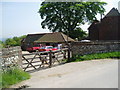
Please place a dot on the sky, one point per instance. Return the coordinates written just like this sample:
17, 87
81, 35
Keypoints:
21, 17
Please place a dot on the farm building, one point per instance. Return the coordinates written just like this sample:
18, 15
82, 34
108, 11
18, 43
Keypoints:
29, 40
106, 29
45, 38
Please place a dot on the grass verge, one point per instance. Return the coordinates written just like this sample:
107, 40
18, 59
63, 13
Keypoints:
96, 56
14, 76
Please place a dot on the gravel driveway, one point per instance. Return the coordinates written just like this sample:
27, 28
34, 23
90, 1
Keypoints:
87, 74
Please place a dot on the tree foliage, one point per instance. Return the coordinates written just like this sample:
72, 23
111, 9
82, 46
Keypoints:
15, 41
67, 16
1, 44
78, 33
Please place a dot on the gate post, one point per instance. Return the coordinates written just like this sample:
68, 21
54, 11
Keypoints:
50, 58
68, 53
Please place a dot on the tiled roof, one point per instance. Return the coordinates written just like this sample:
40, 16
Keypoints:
54, 38
33, 37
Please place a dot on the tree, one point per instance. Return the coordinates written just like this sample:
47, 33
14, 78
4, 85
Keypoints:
1, 44
67, 16
78, 33
10, 42
15, 41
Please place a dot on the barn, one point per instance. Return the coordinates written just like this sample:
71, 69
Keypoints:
106, 29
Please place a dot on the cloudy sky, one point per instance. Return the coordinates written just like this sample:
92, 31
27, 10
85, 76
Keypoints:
21, 17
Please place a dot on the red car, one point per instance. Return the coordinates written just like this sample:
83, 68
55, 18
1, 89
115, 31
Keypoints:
47, 48
34, 48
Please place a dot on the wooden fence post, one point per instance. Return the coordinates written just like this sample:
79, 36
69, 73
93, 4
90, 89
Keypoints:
68, 53
64, 54
50, 58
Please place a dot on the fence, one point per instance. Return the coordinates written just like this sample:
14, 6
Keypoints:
40, 60
11, 57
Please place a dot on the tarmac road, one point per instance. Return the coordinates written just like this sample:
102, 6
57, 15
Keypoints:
86, 74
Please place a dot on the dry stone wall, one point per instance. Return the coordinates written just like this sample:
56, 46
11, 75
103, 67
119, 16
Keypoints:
83, 48
11, 57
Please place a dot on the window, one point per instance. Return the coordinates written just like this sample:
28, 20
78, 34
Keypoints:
49, 47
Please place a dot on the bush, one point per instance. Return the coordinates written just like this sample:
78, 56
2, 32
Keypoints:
13, 76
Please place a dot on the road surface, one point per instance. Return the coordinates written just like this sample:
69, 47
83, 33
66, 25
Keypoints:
86, 74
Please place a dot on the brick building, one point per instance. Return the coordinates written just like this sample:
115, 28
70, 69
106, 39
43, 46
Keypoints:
106, 29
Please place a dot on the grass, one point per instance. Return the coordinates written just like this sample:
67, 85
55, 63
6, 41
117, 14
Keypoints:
14, 76
96, 56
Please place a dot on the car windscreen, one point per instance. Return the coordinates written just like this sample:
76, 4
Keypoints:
49, 47
42, 48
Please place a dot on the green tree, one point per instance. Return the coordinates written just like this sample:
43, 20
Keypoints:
1, 44
78, 33
10, 42
67, 16
15, 41
23, 36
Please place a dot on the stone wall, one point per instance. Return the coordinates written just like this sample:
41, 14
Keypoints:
82, 48
11, 57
